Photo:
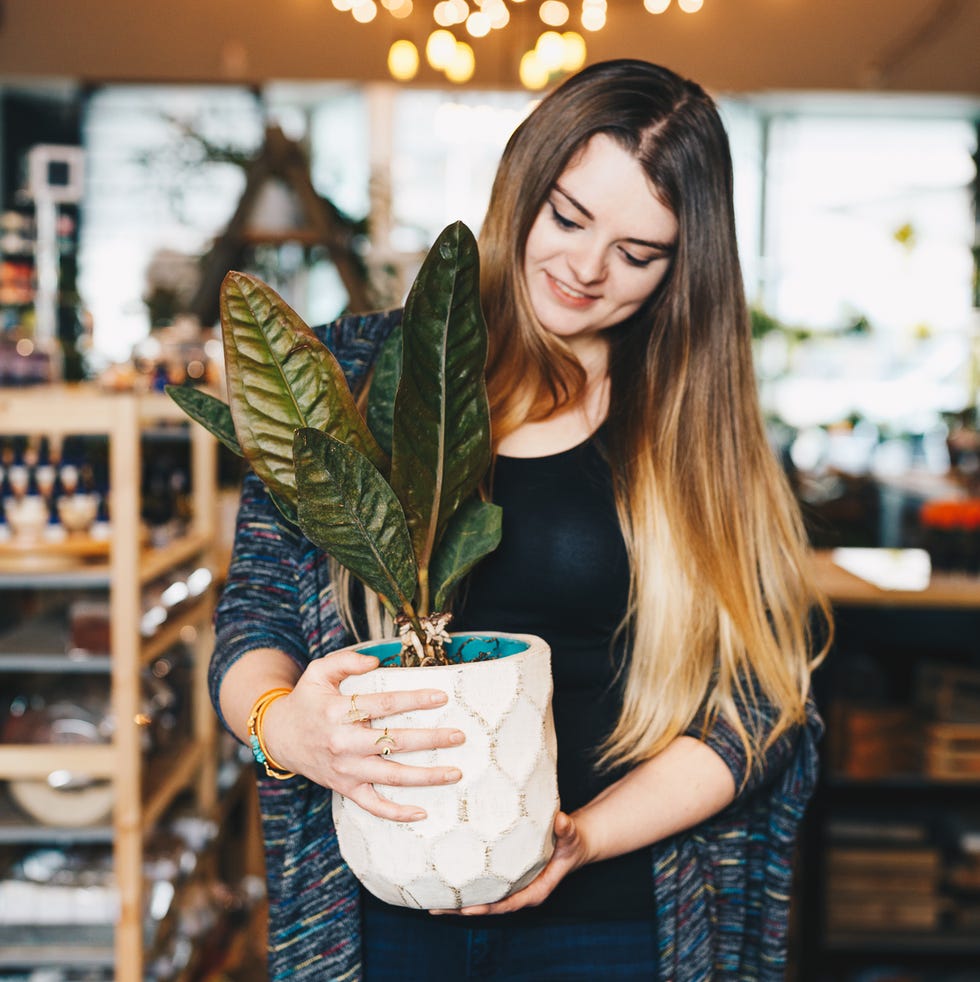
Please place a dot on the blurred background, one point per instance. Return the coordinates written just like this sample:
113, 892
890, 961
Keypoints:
147, 148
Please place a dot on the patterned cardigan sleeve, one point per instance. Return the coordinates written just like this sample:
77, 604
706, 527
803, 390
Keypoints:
723, 888
259, 605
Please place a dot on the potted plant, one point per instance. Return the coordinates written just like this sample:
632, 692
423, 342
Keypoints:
394, 496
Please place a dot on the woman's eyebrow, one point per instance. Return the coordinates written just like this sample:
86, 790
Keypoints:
577, 204
667, 247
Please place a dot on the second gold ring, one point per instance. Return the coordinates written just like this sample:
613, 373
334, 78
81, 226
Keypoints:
355, 715
388, 742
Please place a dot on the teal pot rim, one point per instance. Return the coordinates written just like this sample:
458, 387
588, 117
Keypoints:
464, 648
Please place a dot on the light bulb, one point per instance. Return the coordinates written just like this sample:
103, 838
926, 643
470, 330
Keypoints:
690, 6
554, 13
594, 19
403, 10
440, 48
498, 13
403, 60
364, 11
532, 73
550, 49
443, 14
478, 24
575, 52
460, 68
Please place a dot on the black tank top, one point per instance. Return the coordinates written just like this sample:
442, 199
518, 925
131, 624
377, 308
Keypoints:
561, 572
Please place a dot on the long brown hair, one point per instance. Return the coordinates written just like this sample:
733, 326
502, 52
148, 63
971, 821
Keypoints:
720, 593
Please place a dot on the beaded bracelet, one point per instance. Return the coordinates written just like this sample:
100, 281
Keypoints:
259, 751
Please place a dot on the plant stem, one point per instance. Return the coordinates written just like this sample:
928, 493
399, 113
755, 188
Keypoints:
423, 608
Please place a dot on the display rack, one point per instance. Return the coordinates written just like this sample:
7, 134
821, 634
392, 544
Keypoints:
885, 829
144, 788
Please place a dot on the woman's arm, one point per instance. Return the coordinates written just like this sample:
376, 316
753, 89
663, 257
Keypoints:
260, 645
679, 788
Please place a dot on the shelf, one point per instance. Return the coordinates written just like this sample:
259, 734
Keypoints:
166, 775
42, 646
94, 577
144, 785
169, 634
901, 782
908, 942
155, 562
16, 829
88, 945
39, 760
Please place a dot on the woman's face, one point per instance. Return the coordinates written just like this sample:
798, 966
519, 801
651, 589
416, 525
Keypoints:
600, 245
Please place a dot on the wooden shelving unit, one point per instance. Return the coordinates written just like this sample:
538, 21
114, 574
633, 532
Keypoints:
885, 640
143, 788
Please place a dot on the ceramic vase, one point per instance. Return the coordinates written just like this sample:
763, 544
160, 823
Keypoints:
492, 832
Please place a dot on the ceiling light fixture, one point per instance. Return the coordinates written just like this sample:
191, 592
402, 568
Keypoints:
559, 49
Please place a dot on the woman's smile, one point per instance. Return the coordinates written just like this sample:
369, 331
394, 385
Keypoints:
567, 294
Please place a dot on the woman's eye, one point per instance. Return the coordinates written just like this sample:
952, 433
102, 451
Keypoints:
635, 260
560, 220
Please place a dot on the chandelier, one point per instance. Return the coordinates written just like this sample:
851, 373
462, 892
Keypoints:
559, 49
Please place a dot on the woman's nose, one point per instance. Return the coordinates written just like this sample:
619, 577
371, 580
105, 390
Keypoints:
588, 263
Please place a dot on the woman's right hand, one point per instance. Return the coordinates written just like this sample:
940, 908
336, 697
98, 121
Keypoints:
310, 731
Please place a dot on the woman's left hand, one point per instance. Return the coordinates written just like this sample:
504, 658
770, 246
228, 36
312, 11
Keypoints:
570, 853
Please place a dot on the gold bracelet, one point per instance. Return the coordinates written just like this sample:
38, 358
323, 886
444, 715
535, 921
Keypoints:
259, 751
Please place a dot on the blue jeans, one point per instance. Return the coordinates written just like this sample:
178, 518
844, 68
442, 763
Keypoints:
399, 948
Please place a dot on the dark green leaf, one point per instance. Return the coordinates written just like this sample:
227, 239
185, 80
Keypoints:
280, 378
211, 413
441, 430
348, 509
384, 384
473, 532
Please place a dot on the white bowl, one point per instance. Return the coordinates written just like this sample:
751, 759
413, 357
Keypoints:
77, 511
27, 517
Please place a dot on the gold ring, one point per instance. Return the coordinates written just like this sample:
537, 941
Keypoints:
355, 715
387, 740
386, 752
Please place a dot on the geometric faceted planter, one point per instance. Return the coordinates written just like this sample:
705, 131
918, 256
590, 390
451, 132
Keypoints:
491, 833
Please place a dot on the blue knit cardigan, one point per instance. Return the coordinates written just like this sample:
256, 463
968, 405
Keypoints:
722, 889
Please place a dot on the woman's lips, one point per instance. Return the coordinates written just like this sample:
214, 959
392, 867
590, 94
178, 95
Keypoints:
566, 294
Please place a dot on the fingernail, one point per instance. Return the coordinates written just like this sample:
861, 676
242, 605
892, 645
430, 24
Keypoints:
458, 737
416, 816
453, 774
438, 698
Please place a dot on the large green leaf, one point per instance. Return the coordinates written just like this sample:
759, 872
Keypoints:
441, 431
384, 383
472, 533
213, 414
280, 378
348, 509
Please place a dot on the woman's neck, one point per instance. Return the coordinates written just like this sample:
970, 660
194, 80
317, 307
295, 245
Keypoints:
568, 427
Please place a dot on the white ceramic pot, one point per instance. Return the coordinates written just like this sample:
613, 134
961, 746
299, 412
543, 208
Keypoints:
492, 832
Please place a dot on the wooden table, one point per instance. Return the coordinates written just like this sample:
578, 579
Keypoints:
846, 589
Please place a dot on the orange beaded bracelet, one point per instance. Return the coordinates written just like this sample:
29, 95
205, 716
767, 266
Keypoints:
259, 751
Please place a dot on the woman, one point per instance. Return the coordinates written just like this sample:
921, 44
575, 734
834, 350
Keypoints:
649, 536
